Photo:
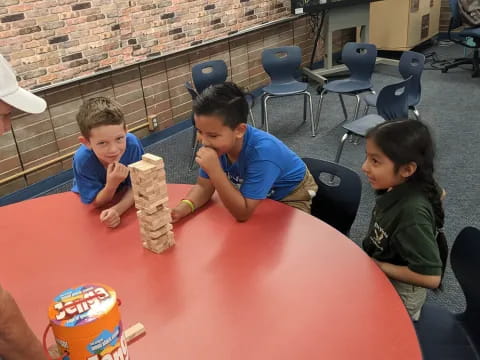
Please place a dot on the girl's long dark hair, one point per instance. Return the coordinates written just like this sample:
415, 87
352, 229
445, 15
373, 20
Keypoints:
408, 141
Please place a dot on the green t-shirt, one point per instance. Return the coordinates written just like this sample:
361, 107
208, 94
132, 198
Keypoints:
402, 231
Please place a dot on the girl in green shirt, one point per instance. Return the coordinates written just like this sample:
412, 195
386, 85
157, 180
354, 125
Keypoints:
405, 237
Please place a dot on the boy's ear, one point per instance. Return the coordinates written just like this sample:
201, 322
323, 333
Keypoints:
240, 130
83, 140
408, 170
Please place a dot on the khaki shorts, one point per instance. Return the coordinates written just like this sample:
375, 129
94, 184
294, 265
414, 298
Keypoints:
412, 296
301, 197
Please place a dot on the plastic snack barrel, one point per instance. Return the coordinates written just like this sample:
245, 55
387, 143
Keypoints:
86, 324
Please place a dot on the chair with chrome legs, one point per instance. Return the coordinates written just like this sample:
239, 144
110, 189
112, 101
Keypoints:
411, 64
211, 73
360, 61
194, 95
391, 105
281, 64
208, 73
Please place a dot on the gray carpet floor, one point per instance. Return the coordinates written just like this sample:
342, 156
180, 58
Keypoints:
449, 106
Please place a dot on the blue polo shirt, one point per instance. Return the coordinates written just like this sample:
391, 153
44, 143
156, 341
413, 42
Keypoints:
90, 176
265, 168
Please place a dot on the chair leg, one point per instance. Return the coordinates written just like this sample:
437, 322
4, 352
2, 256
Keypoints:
194, 137
252, 119
320, 103
265, 111
416, 113
340, 147
307, 95
194, 153
343, 107
305, 107
367, 107
262, 101
357, 108
476, 65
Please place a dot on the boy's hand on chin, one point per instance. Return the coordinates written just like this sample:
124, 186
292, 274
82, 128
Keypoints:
116, 173
207, 159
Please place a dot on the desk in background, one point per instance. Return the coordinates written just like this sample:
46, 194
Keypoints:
336, 15
402, 25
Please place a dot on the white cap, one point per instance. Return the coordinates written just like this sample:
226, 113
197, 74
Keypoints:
14, 95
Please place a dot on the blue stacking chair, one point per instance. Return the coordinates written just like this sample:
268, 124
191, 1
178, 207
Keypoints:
443, 335
281, 64
336, 202
208, 73
460, 37
360, 60
391, 105
214, 72
411, 64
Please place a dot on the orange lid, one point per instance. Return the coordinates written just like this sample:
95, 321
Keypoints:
81, 305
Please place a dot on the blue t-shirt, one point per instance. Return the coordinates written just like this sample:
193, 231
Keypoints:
90, 176
266, 167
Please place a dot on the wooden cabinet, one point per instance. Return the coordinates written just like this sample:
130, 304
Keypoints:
403, 24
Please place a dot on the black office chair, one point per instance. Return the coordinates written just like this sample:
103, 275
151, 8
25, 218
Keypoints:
443, 335
337, 199
461, 38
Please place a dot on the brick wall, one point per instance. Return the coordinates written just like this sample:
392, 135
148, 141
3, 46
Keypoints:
48, 41
151, 88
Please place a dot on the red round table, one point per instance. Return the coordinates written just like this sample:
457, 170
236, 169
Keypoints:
283, 285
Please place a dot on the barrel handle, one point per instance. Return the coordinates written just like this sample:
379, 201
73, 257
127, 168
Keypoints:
44, 343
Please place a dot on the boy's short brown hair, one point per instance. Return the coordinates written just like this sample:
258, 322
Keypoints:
99, 111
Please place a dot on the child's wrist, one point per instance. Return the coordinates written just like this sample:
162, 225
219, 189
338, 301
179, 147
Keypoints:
188, 204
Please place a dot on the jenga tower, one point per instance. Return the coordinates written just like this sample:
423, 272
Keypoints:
150, 194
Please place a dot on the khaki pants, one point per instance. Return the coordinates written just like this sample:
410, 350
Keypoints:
301, 197
412, 296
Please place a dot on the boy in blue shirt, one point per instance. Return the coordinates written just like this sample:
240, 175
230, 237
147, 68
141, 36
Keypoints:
243, 164
100, 165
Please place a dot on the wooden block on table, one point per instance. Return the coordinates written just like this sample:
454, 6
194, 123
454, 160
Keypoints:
142, 167
160, 246
156, 234
134, 332
161, 216
150, 207
153, 159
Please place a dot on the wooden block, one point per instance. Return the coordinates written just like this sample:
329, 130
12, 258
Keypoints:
161, 216
141, 167
149, 207
153, 159
155, 207
158, 247
134, 332
168, 236
163, 230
